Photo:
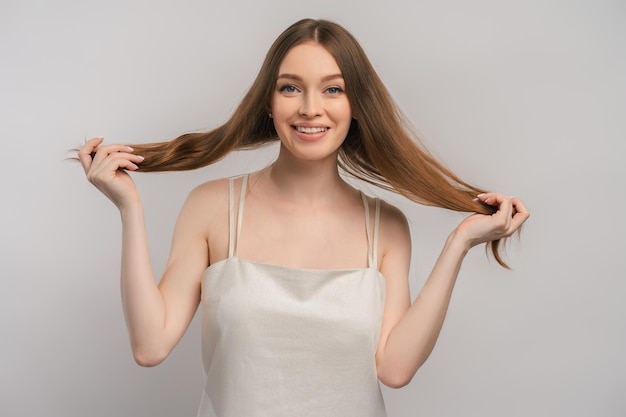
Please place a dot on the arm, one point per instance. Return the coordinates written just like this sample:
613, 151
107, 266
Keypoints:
156, 316
410, 331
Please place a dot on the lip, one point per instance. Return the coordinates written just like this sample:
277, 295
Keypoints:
310, 137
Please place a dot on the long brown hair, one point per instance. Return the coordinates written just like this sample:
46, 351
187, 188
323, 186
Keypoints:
380, 147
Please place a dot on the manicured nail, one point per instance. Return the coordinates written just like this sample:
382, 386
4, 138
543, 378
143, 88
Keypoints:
475, 199
140, 157
130, 149
480, 195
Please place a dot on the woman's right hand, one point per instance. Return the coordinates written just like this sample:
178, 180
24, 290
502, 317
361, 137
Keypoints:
106, 170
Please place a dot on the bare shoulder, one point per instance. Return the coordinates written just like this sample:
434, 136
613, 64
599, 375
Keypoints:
394, 231
209, 192
206, 202
393, 222
208, 205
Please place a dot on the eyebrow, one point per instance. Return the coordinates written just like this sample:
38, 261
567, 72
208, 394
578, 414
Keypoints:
298, 78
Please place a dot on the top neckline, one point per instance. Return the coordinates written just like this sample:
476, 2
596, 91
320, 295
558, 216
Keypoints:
235, 226
292, 268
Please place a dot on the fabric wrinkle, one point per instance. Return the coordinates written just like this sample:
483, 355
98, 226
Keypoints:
282, 341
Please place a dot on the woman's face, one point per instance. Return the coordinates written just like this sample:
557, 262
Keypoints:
310, 108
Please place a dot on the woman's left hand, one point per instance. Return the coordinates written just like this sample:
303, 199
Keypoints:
481, 228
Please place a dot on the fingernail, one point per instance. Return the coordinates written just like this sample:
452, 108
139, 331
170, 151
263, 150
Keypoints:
475, 199
130, 149
100, 137
141, 157
480, 195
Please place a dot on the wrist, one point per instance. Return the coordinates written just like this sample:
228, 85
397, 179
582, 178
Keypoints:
131, 209
459, 242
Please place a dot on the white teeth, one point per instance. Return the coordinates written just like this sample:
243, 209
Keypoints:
310, 129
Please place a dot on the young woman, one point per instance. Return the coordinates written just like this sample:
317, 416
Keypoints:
303, 280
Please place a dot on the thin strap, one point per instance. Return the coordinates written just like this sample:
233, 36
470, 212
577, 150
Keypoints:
368, 232
376, 222
242, 197
231, 217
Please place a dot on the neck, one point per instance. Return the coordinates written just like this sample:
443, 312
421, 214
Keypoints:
309, 182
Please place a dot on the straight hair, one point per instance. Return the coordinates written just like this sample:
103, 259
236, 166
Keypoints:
381, 147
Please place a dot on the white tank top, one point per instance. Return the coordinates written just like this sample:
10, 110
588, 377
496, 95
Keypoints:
288, 342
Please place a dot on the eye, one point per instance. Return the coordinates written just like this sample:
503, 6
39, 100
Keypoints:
334, 90
288, 89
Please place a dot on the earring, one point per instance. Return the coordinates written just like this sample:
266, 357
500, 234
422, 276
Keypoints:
270, 115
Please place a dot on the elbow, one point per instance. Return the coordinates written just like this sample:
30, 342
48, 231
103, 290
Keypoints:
148, 357
395, 381
396, 378
146, 361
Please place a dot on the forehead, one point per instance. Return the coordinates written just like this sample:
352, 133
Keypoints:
309, 58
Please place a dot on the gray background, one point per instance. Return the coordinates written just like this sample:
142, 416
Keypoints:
527, 98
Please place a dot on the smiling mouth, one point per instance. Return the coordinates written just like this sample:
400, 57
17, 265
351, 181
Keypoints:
310, 130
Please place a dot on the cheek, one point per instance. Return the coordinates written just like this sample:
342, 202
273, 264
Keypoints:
340, 105
342, 110
282, 108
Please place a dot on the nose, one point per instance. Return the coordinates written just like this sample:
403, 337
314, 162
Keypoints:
311, 105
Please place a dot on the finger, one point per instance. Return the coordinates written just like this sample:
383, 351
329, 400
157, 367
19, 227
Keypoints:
521, 215
496, 199
114, 162
119, 160
102, 152
505, 207
84, 153
491, 199
127, 164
